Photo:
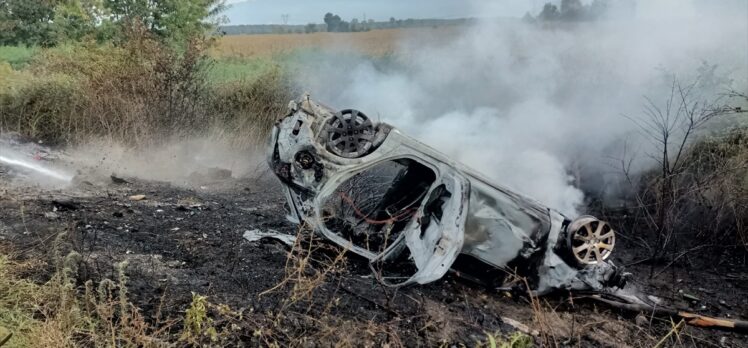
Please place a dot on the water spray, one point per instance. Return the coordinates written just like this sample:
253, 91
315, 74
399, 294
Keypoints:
36, 168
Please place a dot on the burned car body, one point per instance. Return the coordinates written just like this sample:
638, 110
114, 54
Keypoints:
413, 212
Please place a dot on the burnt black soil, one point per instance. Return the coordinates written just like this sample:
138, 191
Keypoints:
180, 241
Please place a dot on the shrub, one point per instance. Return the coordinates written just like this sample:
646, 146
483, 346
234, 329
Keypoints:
45, 108
138, 93
17, 56
710, 207
248, 109
717, 206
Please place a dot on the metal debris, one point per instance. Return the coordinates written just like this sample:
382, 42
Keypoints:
255, 235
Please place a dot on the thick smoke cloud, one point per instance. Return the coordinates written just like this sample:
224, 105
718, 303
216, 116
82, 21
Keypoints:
534, 105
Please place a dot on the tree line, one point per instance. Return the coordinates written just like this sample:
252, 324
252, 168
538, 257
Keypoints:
575, 10
334, 23
50, 22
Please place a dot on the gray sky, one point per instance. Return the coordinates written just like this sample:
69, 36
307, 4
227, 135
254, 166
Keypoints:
307, 11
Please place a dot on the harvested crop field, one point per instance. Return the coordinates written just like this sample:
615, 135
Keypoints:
373, 43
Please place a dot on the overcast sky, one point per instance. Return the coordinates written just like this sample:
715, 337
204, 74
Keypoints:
306, 11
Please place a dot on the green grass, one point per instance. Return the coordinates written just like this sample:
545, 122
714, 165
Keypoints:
17, 56
237, 69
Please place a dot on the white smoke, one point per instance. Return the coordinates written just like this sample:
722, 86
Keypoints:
528, 104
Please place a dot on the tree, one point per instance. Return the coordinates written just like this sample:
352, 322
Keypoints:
575, 10
549, 13
174, 19
335, 24
310, 28
47, 22
77, 19
332, 23
28, 22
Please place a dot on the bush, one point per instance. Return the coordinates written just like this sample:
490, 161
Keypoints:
139, 93
717, 206
44, 108
17, 56
710, 197
248, 109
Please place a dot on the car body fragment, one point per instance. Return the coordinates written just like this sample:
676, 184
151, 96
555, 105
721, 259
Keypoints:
415, 214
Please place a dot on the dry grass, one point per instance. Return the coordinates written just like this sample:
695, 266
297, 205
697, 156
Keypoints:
373, 43
54, 314
304, 273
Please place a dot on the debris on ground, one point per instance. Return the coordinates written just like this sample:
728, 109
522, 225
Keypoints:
117, 180
255, 235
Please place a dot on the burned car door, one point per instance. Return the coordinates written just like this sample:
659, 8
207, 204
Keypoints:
407, 217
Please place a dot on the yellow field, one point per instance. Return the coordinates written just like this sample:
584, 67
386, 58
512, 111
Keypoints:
375, 42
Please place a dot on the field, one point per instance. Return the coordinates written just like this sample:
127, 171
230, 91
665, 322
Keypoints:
239, 57
371, 43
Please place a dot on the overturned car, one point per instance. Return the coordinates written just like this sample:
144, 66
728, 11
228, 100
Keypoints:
415, 214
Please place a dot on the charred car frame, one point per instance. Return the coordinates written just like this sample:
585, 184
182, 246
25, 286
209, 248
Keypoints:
415, 214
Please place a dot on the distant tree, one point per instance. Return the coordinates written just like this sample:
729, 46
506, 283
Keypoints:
332, 21
335, 23
355, 26
310, 28
343, 26
550, 13
328, 19
575, 10
393, 22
